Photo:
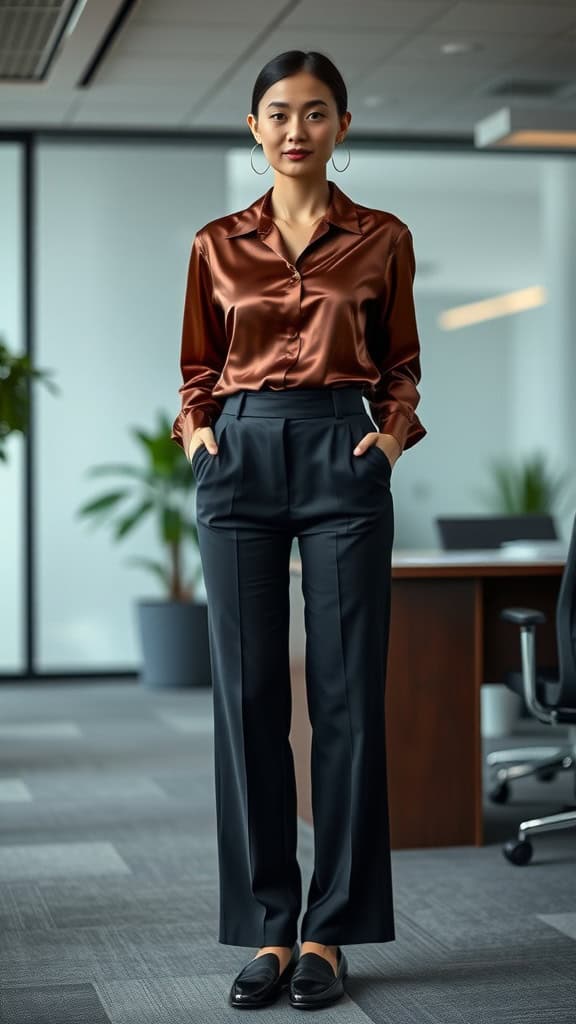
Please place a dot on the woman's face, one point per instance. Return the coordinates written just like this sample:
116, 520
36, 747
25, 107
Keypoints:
298, 112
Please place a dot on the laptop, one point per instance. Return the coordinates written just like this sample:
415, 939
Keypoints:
458, 533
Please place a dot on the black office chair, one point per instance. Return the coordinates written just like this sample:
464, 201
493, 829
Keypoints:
551, 698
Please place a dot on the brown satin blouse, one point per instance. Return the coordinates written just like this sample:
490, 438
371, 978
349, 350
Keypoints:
343, 314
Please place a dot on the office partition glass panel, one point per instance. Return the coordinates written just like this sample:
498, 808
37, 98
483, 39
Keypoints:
115, 226
11, 472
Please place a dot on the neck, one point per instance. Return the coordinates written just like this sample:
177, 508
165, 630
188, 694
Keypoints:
299, 201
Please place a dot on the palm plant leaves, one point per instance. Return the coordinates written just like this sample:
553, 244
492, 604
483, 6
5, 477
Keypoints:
160, 487
16, 374
126, 523
157, 568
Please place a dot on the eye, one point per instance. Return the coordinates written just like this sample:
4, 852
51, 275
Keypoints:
279, 113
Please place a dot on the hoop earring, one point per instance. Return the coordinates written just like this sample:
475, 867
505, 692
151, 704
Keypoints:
251, 163
347, 165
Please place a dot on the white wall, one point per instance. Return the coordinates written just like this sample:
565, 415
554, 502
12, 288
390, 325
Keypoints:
466, 382
535, 395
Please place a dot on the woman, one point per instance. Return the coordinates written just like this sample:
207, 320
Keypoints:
295, 308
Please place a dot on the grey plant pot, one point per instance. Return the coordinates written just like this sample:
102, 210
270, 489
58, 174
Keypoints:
174, 643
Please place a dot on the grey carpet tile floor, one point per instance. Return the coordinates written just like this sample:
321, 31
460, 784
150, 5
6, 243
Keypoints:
45, 1004
109, 888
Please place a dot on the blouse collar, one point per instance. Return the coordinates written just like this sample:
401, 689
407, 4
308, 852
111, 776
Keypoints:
342, 212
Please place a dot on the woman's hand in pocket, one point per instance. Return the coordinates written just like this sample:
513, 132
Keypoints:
386, 442
205, 436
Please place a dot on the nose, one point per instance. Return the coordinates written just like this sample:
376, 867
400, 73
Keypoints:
296, 137
295, 130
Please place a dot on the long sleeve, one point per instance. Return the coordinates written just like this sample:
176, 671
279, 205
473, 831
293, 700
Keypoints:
203, 350
396, 350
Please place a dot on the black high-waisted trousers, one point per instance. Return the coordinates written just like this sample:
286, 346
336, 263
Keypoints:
285, 469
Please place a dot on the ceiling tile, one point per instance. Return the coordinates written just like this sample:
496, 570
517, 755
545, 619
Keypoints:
185, 40
186, 63
161, 72
547, 18
350, 51
489, 49
250, 13
366, 14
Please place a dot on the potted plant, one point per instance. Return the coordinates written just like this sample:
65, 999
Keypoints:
173, 630
524, 487
16, 374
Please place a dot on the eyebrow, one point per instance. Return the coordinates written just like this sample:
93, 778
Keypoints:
309, 103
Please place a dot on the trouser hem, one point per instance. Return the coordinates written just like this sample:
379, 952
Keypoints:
257, 941
343, 939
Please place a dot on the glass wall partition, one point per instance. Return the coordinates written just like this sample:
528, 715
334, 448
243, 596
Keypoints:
12, 532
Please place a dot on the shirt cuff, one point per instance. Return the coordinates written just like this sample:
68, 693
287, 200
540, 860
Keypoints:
407, 432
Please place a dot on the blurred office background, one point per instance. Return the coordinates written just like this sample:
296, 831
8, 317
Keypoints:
105, 183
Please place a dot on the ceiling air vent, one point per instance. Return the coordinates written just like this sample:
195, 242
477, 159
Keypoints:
30, 31
531, 89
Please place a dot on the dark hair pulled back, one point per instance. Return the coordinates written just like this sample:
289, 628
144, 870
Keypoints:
290, 63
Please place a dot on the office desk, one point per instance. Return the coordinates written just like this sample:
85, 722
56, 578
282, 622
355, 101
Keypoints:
446, 640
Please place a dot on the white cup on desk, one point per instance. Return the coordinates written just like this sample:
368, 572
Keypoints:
500, 710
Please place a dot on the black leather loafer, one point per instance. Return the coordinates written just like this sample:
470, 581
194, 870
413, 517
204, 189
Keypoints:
260, 982
314, 983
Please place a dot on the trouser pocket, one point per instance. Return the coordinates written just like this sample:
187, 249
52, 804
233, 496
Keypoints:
201, 454
217, 476
359, 426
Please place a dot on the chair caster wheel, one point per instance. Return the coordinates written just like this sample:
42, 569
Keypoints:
518, 851
499, 793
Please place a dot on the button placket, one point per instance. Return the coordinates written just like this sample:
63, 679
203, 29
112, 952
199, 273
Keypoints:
293, 329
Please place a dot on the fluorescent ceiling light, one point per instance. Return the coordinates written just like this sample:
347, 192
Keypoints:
75, 17
524, 128
490, 309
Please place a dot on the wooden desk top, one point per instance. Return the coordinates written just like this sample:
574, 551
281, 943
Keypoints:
435, 563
